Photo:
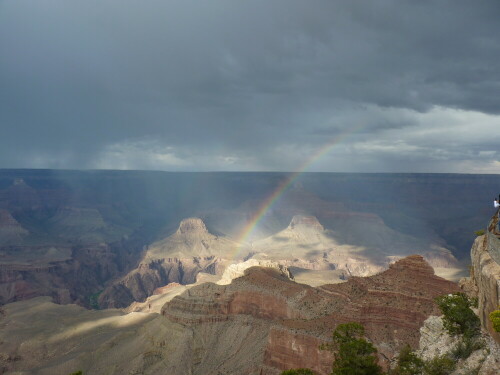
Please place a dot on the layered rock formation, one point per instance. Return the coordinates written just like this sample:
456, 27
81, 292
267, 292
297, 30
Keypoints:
261, 323
61, 213
178, 258
237, 270
54, 246
69, 274
306, 244
392, 306
484, 282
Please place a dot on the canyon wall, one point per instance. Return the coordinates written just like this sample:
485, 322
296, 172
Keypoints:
485, 275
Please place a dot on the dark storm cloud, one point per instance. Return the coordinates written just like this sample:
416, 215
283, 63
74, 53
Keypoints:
204, 85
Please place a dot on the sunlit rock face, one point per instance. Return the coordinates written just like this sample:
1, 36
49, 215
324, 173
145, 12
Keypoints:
175, 259
238, 270
306, 244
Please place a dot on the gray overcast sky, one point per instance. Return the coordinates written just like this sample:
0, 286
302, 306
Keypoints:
393, 85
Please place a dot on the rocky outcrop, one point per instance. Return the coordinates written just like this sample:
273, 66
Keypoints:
306, 244
237, 270
192, 226
485, 278
141, 282
392, 306
435, 341
176, 259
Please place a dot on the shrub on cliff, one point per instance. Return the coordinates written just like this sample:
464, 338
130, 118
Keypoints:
353, 354
458, 315
441, 365
495, 319
408, 363
298, 371
466, 346
479, 232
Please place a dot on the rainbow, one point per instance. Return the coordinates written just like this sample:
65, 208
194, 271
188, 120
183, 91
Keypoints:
242, 237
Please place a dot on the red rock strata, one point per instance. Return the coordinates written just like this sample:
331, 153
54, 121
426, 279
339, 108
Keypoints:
391, 305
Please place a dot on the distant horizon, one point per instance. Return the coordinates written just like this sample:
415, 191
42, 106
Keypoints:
235, 171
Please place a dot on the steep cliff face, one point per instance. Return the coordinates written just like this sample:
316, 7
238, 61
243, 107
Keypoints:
69, 274
66, 281
52, 244
485, 277
435, 341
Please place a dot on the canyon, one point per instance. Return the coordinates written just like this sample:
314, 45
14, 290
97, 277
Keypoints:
303, 245
73, 235
260, 323
183, 286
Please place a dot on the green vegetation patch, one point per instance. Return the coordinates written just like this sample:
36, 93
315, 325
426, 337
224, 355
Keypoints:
354, 355
440, 365
408, 363
466, 346
459, 319
94, 300
495, 319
